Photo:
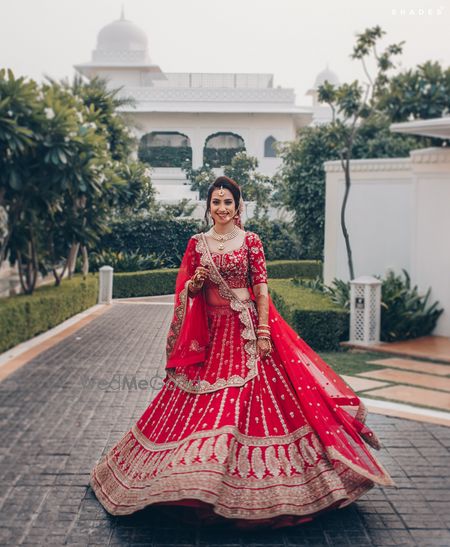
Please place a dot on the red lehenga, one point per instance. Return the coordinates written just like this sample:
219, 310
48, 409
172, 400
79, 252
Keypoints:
259, 441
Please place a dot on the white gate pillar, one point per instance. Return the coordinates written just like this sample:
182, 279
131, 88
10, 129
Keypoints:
365, 310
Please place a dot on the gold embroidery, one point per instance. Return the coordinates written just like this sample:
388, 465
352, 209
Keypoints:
307, 491
308, 453
295, 458
232, 462
272, 463
284, 462
243, 463
221, 449
179, 311
192, 451
258, 465
206, 451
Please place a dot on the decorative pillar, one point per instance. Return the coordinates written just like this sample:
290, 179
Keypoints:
105, 285
365, 310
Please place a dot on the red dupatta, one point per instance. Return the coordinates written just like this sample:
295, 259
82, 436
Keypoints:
188, 334
330, 406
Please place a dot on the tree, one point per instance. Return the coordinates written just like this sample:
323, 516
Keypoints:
65, 173
420, 93
200, 179
255, 186
301, 186
18, 102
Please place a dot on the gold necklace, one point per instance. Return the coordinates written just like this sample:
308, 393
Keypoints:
224, 237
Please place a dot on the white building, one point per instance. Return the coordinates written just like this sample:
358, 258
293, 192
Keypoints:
196, 115
397, 217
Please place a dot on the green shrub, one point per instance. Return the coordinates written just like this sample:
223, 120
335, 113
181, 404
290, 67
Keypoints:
24, 316
405, 314
279, 238
168, 237
152, 235
127, 262
165, 156
290, 268
317, 320
162, 281
150, 283
218, 157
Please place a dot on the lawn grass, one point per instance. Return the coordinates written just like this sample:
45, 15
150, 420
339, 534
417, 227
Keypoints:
352, 362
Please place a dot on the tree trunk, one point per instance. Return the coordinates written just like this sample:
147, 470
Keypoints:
346, 167
34, 263
58, 277
21, 272
72, 259
85, 256
28, 275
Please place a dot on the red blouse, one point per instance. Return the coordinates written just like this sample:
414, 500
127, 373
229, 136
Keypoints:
242, 267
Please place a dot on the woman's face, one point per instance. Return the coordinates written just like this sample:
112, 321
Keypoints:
222, 207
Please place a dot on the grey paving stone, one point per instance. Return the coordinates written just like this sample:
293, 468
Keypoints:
58, 421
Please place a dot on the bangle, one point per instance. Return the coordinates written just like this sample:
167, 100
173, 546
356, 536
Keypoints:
193, 287
263, 325
260, 329
196, 285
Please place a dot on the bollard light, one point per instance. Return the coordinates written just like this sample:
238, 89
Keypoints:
365, 310
105, 285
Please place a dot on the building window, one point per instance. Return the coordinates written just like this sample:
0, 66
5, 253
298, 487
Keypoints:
221, 147
269, 147
165, 149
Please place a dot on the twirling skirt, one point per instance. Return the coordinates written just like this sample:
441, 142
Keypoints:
242, 452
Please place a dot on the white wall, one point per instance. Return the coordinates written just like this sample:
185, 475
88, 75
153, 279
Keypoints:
397, 217
253, 128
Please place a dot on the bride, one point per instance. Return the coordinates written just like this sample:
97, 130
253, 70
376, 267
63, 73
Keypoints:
251, 426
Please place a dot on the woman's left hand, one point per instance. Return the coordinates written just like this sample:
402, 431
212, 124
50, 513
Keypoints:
264, 347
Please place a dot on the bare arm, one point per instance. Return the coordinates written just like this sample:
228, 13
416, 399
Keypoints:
261, 293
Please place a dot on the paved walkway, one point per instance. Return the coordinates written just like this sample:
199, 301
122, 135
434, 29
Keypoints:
57, 420
410, 381
425, 347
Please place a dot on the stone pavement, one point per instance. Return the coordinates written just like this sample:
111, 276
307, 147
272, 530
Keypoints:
57, 419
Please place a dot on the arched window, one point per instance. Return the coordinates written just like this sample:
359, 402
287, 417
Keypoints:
165, 149
221, 147
269, 148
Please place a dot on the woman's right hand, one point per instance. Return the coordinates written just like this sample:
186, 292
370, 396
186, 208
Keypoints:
201, 273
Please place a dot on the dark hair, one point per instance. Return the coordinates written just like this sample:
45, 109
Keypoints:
227, 183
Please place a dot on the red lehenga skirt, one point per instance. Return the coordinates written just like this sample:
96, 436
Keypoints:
229, 439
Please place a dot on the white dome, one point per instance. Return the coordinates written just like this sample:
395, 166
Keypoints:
122, 35
326, 75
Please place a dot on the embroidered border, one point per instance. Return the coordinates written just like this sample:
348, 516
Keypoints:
180, 311
301, 479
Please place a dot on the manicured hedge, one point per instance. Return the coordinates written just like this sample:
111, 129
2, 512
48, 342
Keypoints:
150, 235
277, 269
313, 316
148, 283
218, 157
24, 316
165, 156
162, 281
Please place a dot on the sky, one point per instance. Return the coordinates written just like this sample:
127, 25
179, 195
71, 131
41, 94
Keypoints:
291, 39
